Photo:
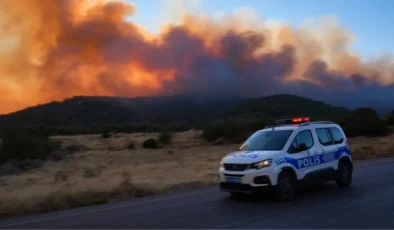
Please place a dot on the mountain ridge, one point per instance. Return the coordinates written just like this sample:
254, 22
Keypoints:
102, 110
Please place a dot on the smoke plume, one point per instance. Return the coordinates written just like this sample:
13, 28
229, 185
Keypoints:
51, 50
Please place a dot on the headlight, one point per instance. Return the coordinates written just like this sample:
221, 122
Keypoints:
221, 164
262, 164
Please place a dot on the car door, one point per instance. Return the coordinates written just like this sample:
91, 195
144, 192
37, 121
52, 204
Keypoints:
326, 147
338, 142
302, 149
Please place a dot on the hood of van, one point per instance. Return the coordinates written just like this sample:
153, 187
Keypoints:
248, 157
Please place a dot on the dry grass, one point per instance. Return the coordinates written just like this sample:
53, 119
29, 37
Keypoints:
106, 170
369, 148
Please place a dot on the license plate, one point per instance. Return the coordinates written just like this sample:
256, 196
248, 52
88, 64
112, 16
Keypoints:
233, 179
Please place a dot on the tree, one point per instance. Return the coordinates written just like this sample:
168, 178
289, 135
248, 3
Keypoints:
390, 119
365, 122
20, 146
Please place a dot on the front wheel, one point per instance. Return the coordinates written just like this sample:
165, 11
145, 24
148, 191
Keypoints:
345, 174
285, 188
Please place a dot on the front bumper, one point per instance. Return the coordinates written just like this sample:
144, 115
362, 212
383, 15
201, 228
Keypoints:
244, 188
247, 181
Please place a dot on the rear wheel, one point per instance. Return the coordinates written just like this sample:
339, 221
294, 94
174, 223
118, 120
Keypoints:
285, 188
345, 174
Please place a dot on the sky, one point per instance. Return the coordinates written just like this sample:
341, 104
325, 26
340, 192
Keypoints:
336, 51
362, 17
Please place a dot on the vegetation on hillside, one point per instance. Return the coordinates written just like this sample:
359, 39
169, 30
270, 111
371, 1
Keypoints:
19, 146
361, 122
285, 106
93, 110
150, 143
365, 122
84, 115
390, 119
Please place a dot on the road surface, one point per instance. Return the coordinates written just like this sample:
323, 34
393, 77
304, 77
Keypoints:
369, 203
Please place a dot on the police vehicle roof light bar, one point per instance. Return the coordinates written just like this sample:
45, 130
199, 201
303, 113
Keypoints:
296, 120
300, 119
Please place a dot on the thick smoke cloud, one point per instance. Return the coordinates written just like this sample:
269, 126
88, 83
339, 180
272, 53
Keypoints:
50, 50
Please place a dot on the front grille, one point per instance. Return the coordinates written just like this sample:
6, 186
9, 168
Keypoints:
236, 167
234, 175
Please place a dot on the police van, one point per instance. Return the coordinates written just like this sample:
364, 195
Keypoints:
285, 156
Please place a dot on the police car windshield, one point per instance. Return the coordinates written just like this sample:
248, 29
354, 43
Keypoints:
273, 140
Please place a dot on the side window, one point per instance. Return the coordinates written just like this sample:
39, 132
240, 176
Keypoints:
336, 135
302, 141
324, 136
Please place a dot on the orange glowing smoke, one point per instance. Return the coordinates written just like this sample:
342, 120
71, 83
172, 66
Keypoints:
50, 50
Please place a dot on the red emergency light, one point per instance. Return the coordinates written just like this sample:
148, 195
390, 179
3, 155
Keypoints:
300, 119
296, 120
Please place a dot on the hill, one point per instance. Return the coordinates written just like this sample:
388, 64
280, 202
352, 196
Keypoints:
88, 110
190, 109
287, 105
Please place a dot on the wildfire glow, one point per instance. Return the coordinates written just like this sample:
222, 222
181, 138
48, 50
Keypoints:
51, 50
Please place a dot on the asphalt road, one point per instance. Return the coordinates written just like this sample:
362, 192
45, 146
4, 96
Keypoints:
369, 203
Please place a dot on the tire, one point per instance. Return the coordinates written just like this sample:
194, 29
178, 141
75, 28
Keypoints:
285, 189
345, 174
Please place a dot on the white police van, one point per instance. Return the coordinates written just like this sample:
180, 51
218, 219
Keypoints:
287, 155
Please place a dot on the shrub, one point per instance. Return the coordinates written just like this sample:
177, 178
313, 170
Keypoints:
106, 135
75, 148
20, 146
131, 146
150, 143
28, 164
390, 119
165, 138
364, 122
391, 129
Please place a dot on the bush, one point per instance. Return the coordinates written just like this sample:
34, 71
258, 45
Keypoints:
75, 148
106, 135
365, 122
131, 145
150, 143
19, 146
390, 119
165, 138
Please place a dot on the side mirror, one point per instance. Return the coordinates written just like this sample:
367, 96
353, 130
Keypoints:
302, 147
